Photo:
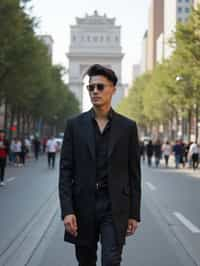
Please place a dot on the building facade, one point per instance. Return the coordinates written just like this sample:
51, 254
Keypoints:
94, 39
174, 11
160, 49
155, 28
144, 54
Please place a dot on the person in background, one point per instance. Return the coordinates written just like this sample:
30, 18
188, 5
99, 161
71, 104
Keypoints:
194, 154
51, 148
44, 143
178, 152
18, 150
157, 152
166, 149
4, 148
142, 151
24, 151
36, 147
149, 151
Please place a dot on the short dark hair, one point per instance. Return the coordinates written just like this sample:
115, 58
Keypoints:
97, 69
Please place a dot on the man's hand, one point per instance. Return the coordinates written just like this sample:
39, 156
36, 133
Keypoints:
132, 226
70, 224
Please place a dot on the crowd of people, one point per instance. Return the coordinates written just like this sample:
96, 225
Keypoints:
17, 150
184, 154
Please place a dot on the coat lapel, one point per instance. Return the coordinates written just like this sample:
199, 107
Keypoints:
115, 133
89, 133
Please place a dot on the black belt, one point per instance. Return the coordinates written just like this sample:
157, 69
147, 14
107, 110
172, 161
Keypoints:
101, 185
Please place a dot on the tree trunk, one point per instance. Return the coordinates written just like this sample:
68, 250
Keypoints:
6, 115
18, 122
189, 124
23, 124
12, 118
196, 123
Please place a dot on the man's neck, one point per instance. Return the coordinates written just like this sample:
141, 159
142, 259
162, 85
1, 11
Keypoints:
101, 112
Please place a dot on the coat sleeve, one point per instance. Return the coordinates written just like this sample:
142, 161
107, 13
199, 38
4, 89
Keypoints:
66, 173
134, 174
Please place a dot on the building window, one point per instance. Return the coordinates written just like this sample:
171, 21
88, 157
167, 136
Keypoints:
88, 38
180, 9
116, 38
187, 10
74, 38
180, 1
108, 38
187, 1
180, 20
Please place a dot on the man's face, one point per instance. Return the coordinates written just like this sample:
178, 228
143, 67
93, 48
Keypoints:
103, 95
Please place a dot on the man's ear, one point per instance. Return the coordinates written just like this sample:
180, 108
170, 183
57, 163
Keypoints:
114, 90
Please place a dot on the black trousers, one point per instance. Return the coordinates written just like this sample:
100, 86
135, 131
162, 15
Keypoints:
2, 168
195, 160
51, 159
111, 251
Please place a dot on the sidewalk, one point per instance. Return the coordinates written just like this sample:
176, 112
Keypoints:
185, 170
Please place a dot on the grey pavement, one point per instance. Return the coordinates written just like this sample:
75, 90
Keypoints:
32, 233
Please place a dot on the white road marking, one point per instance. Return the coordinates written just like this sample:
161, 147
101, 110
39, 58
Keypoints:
151, 186
187, 223
10, 179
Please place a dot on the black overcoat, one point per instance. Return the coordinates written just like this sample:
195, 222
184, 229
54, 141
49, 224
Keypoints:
78, 172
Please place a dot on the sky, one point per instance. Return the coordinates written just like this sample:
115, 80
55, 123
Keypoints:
55, 18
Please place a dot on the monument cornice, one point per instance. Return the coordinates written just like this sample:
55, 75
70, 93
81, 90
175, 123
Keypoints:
85, 55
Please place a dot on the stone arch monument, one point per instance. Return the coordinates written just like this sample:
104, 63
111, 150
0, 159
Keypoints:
94, 39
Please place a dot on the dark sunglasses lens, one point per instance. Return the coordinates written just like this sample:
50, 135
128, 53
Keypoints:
90, 87
100, 87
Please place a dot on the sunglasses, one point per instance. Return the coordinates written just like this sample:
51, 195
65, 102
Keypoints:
99, 86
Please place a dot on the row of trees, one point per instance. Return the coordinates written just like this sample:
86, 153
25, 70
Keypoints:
169, 96
32, 91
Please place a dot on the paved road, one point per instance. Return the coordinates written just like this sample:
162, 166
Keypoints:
31, 232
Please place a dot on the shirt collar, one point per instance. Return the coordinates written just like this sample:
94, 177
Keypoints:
109, 115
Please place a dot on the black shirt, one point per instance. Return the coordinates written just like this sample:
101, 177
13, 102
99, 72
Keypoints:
101, 147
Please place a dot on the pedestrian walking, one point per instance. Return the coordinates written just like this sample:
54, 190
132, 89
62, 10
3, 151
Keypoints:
178, 153
99, 181
142, 151
36, 147
149, 151
166, 149
51, 147
157, 152
194, 154
18, 151
4, 147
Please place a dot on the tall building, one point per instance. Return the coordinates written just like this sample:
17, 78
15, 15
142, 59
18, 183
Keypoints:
94, 39
174, 11
160, 49
48, 41
156, 19
143, 62
136, 71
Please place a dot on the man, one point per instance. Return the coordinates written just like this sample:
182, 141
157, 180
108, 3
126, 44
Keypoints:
4, 147
99, 182
51, 147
